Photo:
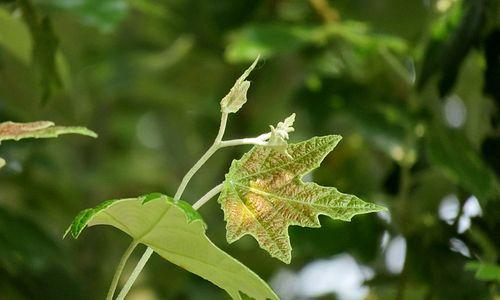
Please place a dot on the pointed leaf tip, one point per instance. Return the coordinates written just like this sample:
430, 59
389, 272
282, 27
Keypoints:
237, 96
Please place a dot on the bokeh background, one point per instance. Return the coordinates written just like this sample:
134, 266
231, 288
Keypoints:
413, 86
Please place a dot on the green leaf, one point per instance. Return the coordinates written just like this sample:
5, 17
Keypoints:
263, 194
484, 271
104, 15
175, 231
40, 129
34, 41
45, 48
18, 234
15, 36
237, 96
451, 151
273, 39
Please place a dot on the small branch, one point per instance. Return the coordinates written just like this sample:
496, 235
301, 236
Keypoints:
147, 254
328, 13
209, 195
403, 74
246, 141
138, 268
218, 143
215, 146
119, 270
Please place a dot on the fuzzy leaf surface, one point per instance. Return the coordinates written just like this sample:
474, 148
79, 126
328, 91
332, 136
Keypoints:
175, 231
263, 194
237, 96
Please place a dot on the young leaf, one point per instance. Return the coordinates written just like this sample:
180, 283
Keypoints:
175, 231
263, 194
237, 96
41, 129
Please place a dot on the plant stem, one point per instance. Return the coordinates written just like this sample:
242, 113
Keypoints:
147, 254
260, 140
209, 195
323, 8
138, 268
119, 270
218, 143
215, 146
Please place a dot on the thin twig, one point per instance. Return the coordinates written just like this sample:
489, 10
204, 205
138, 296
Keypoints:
209, 195
323, 8
203, 159
119, 270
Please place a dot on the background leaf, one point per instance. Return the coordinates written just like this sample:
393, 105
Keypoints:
40, 129
484, 271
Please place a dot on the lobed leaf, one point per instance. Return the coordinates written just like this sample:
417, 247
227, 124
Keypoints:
263, 194
175, 231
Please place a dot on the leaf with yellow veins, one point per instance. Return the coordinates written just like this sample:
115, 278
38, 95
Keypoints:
263, 194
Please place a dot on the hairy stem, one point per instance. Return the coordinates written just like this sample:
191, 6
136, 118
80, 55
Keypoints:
119, 270
209, 195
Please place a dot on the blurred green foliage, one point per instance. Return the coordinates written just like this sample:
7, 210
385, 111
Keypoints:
413, 86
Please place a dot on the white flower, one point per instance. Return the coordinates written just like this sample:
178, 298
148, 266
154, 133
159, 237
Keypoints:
278, 136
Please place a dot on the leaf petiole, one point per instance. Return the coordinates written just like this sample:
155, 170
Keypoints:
215, 146
218, 143
209, 195
119, 270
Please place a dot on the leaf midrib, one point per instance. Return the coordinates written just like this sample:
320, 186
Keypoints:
295, 159
264, 193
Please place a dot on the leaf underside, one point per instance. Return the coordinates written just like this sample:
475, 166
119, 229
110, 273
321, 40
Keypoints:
175, 231
263, 194
41, 129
